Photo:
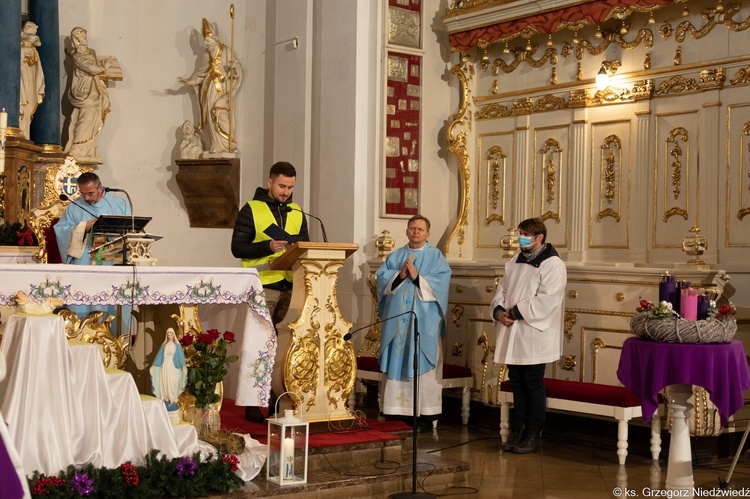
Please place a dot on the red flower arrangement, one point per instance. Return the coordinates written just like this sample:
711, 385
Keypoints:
208, 366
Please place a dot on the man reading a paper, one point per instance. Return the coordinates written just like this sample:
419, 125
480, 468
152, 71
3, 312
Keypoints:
73, 231
262, 231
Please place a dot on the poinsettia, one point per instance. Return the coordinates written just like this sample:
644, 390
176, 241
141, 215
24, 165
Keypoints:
208, 366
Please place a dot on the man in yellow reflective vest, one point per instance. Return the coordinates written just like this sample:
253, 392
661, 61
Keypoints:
252, 243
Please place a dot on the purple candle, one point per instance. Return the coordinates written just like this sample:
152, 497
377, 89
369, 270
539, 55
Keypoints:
667, 288
689, 304
704, 303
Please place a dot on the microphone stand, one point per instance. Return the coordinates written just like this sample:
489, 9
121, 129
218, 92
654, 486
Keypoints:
415, 395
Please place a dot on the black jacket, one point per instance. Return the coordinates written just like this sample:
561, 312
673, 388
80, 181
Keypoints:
243, 234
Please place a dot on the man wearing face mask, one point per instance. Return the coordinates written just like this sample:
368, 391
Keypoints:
527, 310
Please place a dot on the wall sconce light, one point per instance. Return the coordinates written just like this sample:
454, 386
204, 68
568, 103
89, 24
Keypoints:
607, 70
294, 41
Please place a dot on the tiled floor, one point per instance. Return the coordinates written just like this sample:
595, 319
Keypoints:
564, 468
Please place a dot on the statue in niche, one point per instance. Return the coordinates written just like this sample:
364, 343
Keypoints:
89, 97
191, 146
169, 373
216, 82
32, 77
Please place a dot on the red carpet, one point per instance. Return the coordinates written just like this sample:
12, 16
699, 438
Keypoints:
233, 419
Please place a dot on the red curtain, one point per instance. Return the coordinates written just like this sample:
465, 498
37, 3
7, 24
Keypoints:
593, 13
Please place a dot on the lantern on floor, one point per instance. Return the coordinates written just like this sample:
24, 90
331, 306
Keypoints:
287, 450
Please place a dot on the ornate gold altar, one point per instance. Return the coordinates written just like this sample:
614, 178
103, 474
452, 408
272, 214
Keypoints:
312, 359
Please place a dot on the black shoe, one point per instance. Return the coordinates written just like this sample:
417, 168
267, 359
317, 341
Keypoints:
531, 442
426, 424
253, 415
514, 439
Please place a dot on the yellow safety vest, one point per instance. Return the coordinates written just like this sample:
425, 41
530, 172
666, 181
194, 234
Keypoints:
263, 218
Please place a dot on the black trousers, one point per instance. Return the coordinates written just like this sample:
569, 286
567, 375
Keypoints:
529, 395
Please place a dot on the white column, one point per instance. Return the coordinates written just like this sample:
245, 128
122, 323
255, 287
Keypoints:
579, 188
707, 185
524, 161
641, 167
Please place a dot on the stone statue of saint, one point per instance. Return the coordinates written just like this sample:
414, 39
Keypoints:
169, 371
216, 82
32, 77
191, 146
89, 97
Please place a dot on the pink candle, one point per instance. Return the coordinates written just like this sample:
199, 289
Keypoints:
689, 304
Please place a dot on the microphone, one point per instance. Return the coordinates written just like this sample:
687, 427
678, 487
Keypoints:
348, 336
132, 213
65, 197
322, 227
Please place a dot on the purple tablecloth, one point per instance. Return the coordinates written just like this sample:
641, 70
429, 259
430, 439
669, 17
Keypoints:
647, 367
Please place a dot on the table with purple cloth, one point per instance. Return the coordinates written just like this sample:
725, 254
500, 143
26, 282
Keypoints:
647, 367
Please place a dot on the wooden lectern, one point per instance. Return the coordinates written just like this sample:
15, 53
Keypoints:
312, 359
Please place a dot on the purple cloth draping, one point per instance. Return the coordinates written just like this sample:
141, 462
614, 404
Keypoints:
647, 367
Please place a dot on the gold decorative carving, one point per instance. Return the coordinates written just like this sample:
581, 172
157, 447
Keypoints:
23, 184
523, 55
642, 89
645, 36
596, 345
677, 84
551, 147
611, 152
301, 362
610, 95
711, 79
572, 294
665, 30
92, 330
522, 106
459, 288
675, 151
496, 161
620, 297
457, 146
340, 362
568, 362
456, 313
577, 98
741, 76
371, 343
571, 319
744, 211
494, 110
457, 349
549, 103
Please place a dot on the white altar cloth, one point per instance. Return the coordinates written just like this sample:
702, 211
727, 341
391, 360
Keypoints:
62, 408
136, 285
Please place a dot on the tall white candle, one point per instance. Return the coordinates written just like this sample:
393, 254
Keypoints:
3, 119
288, 459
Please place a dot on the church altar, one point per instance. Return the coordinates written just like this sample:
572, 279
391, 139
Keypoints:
136, 285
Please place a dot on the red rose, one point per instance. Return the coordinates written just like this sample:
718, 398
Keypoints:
186, 340
229, 336
213, 334
205, 338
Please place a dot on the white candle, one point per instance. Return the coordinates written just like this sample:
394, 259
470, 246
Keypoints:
288, 458
3, 119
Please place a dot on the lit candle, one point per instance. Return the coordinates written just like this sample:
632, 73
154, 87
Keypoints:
689, 304
666, 288
287, 452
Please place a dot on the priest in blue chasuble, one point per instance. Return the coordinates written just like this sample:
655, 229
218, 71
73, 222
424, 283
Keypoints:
414, 278
73, 232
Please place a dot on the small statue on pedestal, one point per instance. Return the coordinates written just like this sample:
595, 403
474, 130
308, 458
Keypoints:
191, 146
32, 77
169, 374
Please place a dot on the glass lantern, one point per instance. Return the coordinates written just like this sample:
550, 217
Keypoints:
287, 450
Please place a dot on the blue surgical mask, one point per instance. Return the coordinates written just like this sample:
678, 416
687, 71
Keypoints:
524, 241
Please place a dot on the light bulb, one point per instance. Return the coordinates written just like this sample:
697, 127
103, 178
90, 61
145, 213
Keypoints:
602, 78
